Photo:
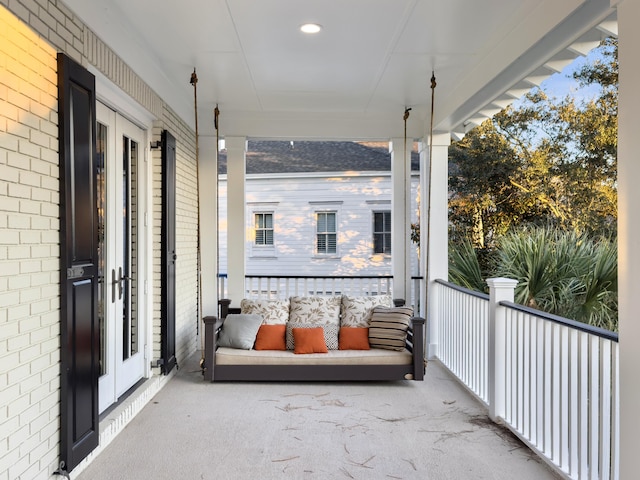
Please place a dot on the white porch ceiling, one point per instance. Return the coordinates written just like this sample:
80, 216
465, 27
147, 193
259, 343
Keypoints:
353, 80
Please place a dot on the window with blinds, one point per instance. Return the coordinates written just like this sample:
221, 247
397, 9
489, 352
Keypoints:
326, 234
263, 228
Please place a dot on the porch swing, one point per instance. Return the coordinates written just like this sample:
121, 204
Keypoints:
236, 366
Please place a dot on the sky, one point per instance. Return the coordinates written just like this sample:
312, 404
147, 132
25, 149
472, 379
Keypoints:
561, 84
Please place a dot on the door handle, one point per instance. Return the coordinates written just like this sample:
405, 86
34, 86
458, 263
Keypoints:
121, 281
113, 285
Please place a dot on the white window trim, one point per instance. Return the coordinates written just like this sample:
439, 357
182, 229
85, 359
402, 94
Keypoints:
317, 254
261, 251
255, 229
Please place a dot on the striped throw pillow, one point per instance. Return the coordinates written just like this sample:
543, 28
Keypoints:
388, 327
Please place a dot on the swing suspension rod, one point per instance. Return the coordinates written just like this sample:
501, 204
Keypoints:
194, 82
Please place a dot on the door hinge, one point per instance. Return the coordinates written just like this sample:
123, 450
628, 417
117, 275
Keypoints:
146, 287
146, 219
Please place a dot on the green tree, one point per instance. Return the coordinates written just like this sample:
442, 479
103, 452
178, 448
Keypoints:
533, 197
544, 162
481, 165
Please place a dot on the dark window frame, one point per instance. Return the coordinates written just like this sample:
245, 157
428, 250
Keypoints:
381, 232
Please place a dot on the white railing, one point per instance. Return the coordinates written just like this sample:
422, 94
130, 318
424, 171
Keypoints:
273, 287
463, 317
552, 381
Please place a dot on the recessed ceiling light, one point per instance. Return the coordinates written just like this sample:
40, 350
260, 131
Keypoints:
310, 28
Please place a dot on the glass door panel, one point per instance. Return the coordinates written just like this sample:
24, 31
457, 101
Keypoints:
130, 357
121, 358
105, 146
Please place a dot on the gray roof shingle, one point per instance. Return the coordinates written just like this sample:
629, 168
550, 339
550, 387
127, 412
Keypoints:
316, 156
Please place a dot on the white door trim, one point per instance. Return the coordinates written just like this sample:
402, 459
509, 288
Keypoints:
113, 97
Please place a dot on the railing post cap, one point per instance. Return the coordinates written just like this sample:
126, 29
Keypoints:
502, 282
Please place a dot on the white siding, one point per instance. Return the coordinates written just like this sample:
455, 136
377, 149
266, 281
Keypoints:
294, 198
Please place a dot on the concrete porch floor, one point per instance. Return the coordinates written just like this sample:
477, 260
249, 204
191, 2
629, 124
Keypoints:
400, 430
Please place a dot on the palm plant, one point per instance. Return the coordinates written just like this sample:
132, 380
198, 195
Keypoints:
564, 273
544, 281
464, 268
597, 304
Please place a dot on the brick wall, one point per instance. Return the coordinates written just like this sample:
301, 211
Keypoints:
29, 223
29, 254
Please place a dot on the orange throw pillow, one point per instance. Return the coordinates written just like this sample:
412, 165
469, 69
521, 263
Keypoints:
309, 340
271, 337
353, 338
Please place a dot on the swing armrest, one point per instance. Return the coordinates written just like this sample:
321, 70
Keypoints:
212, 326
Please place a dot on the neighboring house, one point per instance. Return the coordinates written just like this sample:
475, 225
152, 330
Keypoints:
317, 209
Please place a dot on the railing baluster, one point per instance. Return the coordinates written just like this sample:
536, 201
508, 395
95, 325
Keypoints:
574, 408
540, 340
584, 395
532, 381
615, 414
508, 361
526, 376
594, 406
564, 397
605, 409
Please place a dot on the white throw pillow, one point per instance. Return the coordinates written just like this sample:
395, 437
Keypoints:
356, 311
315, 310
273, 312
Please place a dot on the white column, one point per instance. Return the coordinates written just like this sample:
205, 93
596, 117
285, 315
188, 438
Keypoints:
208, 189
401, 217
236, 241
500, 289
434, 230
628, 234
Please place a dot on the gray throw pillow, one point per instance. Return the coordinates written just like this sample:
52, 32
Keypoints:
239, 331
